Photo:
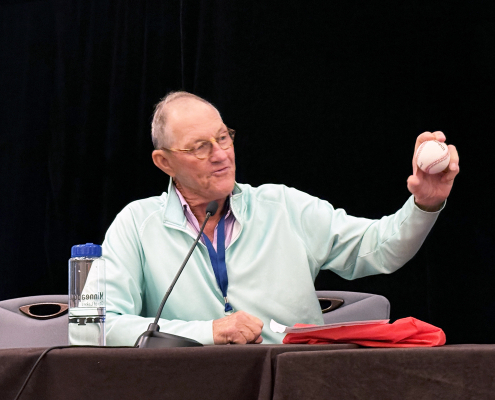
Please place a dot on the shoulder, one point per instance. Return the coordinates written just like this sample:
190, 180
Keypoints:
274, 193
139, 211
148, 204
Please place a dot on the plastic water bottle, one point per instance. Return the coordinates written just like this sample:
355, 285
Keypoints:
87, 296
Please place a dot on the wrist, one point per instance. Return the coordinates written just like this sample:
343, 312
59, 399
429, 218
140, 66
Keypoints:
221, 331
429, 207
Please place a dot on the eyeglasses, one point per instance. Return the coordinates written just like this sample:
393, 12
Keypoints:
202, 149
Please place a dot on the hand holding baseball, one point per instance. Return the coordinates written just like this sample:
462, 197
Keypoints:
431, 189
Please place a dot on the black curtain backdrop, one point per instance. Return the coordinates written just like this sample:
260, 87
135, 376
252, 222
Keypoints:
327, 97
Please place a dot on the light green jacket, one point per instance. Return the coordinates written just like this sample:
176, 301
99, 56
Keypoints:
281, 239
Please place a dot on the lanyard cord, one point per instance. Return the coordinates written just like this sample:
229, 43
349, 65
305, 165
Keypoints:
217, 259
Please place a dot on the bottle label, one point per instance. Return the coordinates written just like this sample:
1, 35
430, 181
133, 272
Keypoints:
89, 299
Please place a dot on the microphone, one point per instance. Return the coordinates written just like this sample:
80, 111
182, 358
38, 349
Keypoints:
155, 339
211, 209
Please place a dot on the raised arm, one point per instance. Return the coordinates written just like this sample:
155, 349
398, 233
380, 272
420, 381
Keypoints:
355, 247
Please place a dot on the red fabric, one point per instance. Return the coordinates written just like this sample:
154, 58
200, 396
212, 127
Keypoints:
405, 332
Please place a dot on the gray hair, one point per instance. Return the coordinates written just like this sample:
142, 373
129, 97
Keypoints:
159, 135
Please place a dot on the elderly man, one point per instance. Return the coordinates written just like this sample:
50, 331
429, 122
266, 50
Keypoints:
259, 254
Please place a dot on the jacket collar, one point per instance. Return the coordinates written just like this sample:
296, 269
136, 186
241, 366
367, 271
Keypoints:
173, 214
238, 203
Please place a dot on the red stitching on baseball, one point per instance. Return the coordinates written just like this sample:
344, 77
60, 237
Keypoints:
420, 149
436, 162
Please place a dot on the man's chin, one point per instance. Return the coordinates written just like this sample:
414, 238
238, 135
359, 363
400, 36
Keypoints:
224, 189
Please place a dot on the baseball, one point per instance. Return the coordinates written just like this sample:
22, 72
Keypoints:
433, 156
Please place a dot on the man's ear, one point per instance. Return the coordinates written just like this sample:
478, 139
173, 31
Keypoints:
161, 161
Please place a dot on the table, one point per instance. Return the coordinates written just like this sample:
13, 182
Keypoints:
452, 372
211, 372
253, 372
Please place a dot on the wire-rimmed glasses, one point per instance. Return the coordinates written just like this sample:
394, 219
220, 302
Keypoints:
202, 149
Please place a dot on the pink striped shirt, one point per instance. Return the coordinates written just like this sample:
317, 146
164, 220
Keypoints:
193, 223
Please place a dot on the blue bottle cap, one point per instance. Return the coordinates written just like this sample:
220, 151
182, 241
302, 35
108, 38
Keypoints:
86, 250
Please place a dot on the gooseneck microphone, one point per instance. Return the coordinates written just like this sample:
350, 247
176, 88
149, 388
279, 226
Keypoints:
155, 339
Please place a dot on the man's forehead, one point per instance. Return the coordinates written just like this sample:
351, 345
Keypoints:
191, 117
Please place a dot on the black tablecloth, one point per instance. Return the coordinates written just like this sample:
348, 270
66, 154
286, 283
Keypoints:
460, 372
211, 372
253, 372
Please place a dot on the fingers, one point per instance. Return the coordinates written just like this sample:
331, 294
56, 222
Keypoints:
239, 327
454, 156
425, 136
250, 329
453, 168
439, 136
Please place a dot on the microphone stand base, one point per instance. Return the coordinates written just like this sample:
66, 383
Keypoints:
161, 340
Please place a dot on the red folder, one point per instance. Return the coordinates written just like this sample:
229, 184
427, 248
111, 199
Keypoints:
405, 332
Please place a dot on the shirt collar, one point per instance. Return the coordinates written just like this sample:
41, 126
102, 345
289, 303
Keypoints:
187, 209
173, 212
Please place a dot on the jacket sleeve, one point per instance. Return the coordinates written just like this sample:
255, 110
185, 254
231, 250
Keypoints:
124, 260
356, 247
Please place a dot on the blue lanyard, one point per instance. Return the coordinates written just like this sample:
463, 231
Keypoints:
218, 261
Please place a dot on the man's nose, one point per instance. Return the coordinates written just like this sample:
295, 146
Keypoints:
217, 153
